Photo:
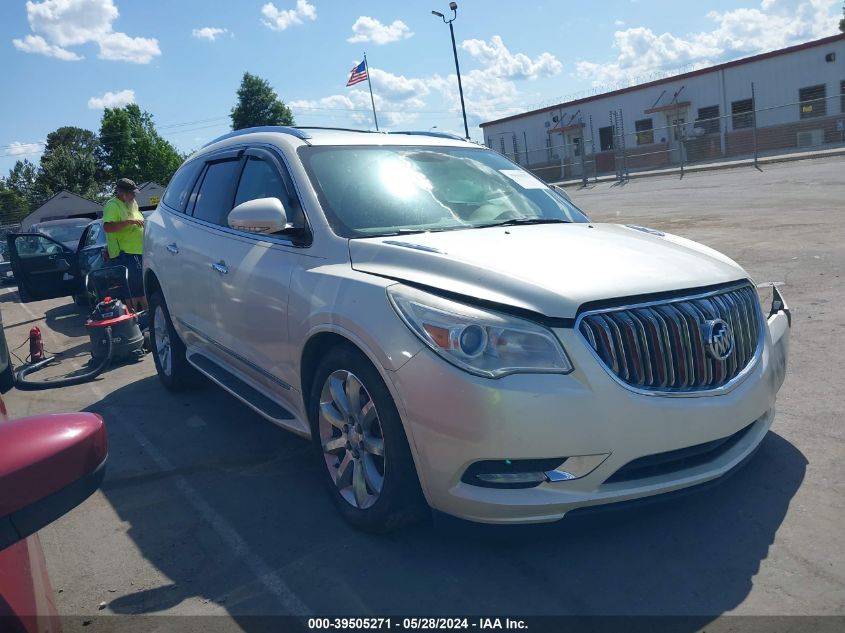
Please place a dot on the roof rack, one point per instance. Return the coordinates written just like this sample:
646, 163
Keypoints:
281, 129
429, 133
336, 129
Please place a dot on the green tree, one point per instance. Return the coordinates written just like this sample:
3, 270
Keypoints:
21, 178
130, 147
13, 206
70, 161
842, 21
17, 191
258, 104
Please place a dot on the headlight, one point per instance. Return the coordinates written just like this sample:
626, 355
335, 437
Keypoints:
481, 342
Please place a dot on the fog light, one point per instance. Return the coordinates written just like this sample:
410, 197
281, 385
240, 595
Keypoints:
510, 473
512, 478
528, 473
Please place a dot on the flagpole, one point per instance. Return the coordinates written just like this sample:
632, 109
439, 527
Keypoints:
370, 84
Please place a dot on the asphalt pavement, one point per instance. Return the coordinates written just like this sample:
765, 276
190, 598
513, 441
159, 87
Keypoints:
207, 509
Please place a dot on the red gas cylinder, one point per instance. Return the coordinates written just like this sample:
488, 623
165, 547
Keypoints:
36, 345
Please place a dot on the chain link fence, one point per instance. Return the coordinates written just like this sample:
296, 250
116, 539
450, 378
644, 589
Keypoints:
677, 135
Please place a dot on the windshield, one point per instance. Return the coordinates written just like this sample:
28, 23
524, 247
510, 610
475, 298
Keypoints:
64, 232
369, 191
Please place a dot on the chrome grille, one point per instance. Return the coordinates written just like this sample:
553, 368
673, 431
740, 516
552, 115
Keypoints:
659, 346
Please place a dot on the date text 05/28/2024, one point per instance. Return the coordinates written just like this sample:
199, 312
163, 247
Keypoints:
434, 624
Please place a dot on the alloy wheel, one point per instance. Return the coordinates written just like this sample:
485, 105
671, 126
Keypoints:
162, 340
352, 439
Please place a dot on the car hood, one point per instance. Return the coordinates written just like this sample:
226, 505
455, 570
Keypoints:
550, 269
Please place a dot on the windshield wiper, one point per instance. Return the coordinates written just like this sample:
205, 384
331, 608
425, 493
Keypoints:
520, 221
394, 233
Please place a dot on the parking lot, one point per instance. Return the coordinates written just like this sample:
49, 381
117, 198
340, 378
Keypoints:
207, 509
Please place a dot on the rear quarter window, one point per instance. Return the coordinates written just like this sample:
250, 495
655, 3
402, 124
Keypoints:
176, 196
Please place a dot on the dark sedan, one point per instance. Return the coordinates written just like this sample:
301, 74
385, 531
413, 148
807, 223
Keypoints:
45, 267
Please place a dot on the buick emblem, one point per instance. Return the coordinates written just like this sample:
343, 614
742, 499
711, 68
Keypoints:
718, 339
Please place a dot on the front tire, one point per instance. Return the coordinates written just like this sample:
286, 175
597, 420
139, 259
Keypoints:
361, 446
167, 348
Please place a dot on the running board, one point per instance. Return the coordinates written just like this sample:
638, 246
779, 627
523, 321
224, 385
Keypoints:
247, 394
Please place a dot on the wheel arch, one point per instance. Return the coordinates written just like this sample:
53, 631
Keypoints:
318, 342
151, 284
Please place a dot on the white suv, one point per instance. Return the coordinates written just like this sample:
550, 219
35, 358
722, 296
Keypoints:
448, 329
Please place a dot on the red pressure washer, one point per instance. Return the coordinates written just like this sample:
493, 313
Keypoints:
112, 327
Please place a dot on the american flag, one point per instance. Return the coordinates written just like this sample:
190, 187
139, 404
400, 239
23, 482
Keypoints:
358, 74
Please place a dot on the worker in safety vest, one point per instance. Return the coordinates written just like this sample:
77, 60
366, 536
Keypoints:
124, 225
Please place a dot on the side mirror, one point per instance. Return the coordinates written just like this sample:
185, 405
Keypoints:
262, 215
51, 464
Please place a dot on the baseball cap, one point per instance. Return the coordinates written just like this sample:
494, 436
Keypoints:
124, 184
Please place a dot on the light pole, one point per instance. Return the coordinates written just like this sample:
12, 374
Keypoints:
454, 7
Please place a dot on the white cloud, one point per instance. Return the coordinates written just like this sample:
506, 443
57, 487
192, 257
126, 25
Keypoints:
209, 33
736, 33
500, 62
279, 20
397, 86
112, 100
57, 24
37, 44
355, 105
17, 148
490, 91
121, 47
619, 23
367, 29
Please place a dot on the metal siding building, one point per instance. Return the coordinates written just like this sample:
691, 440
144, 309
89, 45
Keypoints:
707, 114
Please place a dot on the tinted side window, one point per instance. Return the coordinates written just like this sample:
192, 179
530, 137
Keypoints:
214, 199
36, 245
260, 180
95, 235
180, 186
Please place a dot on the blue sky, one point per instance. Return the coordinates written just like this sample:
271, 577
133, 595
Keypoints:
182, 60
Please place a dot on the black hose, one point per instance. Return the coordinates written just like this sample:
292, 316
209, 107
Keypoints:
37, 385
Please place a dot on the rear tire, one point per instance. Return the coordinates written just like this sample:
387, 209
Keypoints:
360, 444
167, 348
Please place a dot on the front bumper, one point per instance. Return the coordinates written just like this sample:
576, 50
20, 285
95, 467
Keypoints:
454, 419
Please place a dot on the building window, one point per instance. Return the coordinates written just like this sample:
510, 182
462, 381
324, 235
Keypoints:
549, 147
813, 102
502, 144
606, 138
742, 113
645, 131
490, 143
842, 97
515, 150
708, 120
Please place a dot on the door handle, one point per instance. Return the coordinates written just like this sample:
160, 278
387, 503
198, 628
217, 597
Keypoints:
172, 248
221, 267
